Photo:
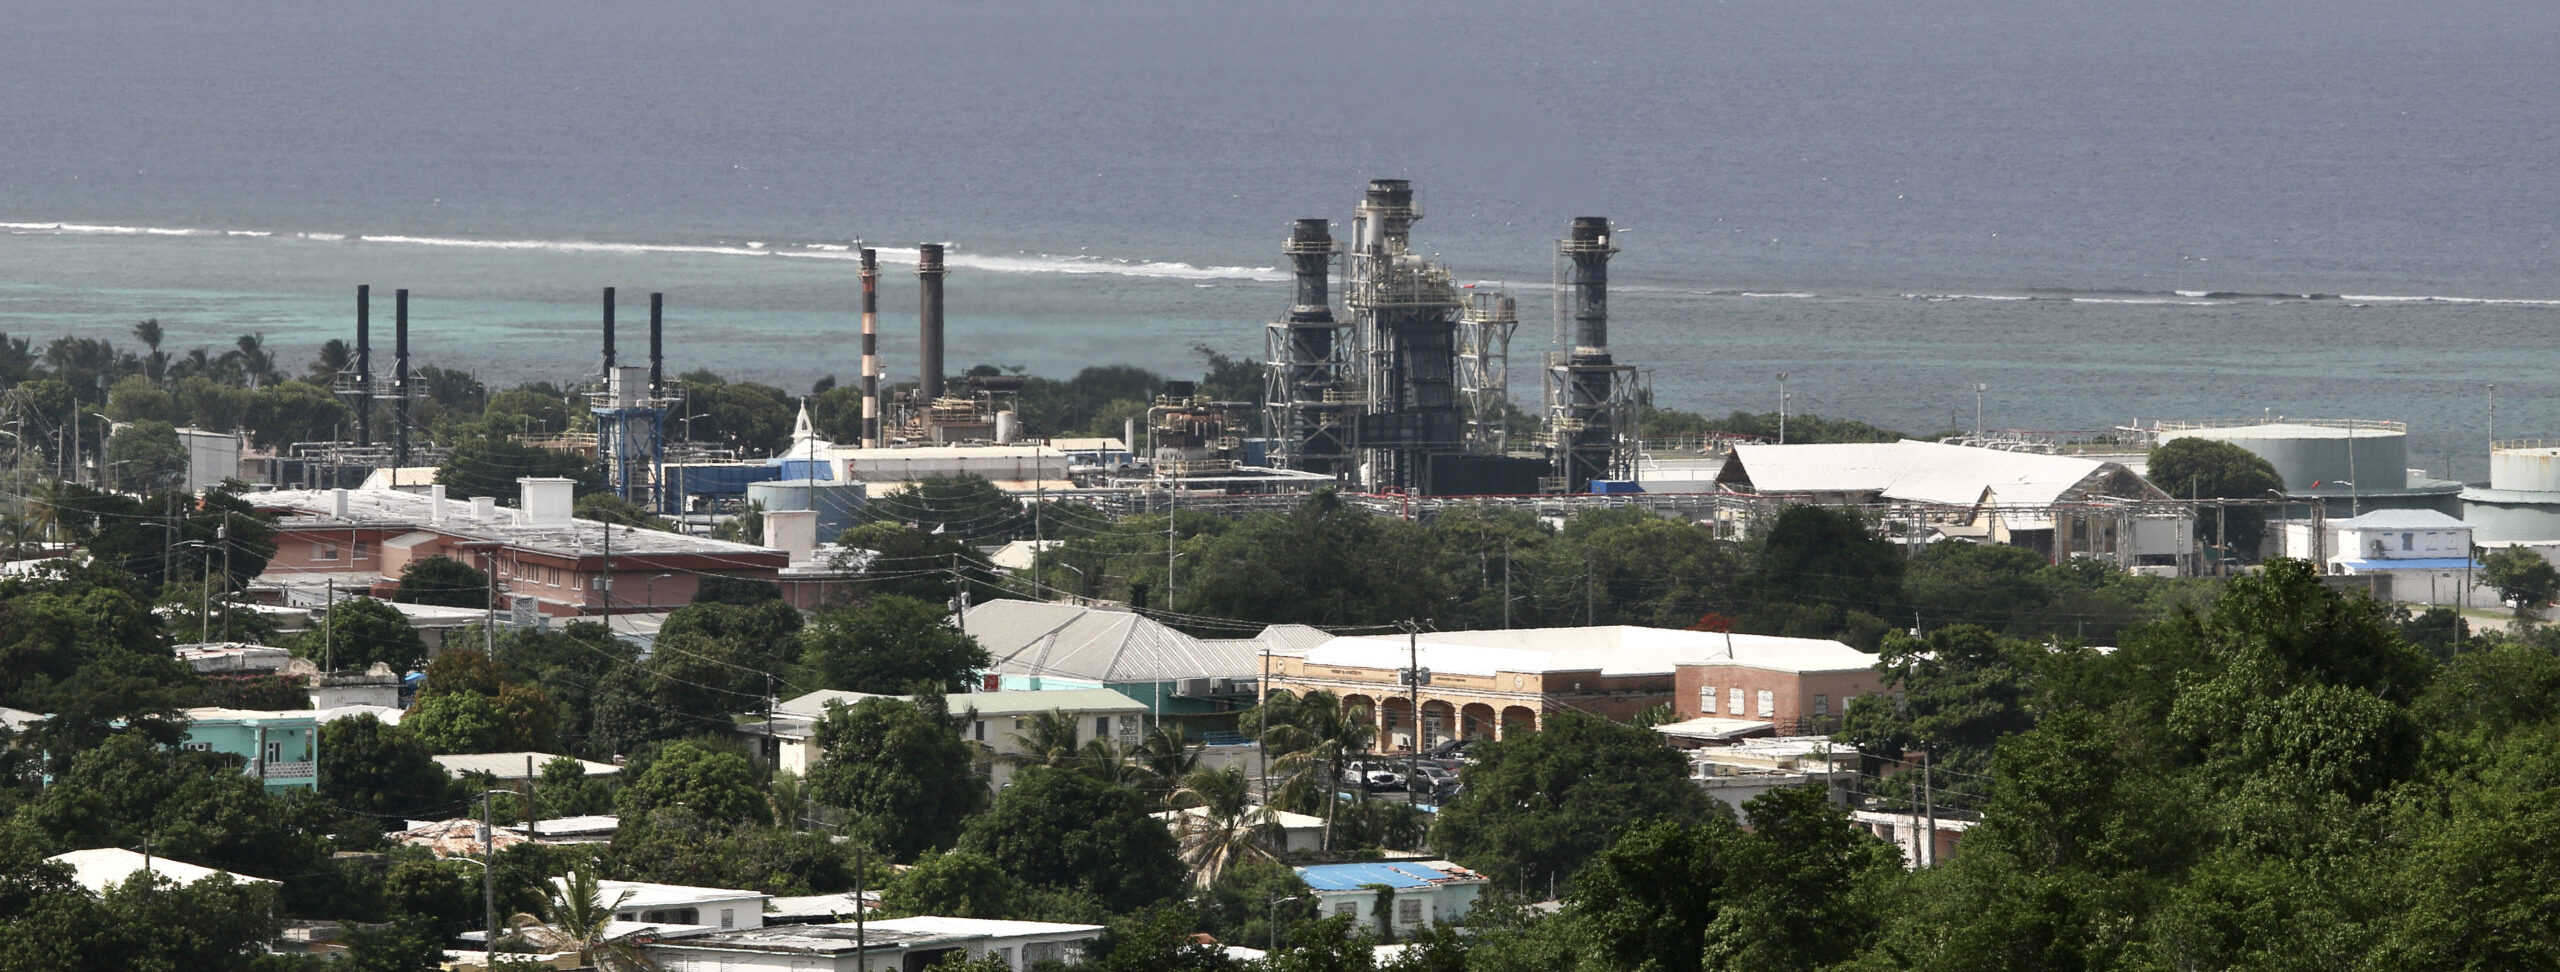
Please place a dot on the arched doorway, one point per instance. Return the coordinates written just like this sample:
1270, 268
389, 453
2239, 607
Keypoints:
1475, 721
1516, 718
1395, 725
1439, 722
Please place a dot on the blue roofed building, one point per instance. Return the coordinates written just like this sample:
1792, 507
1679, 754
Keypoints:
1425, 892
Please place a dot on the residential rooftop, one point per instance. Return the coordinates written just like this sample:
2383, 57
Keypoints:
308, 508
1611, 650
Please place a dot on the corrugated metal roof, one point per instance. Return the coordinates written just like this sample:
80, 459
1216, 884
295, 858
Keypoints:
1071, 641
2414, 563
2400, 520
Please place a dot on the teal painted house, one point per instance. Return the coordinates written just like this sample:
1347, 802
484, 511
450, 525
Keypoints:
1197, 683
282, 748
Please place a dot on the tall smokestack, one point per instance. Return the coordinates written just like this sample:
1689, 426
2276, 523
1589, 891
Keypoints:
399, 381
1314, 443
1590, 446
929, 313
608, 334
870, 348
657, 343
364, 364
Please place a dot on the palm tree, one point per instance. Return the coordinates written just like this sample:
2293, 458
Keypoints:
1104, 760
155, 365
1164, 759
1216, 824
1316, 736
1050, 740
336, 357
257, 367
575, 918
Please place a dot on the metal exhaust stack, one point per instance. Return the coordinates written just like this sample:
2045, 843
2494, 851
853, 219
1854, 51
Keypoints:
1589, 436
608, 334
399, 382
657, 344
929, 312
364, 364
1306, 348
870, 348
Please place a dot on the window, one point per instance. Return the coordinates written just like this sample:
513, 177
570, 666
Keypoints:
1409, 912
1768, 703
359, 550
275, 752
1706, 700
982, 730
1101, 727
1034, 953
1822, 705
197, 747
1346, 909
1733, 700
324, 551
2408, 541
728, 917
1002, 955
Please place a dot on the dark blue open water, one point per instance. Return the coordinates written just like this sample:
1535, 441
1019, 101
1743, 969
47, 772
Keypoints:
1799, 185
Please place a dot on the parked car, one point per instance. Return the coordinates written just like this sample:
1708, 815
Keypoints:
1433, 781
1374, 777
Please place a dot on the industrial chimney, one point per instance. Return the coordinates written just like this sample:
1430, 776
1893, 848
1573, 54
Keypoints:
1588, 441
399, 382
870, 348
657, 344
364, 364
929, 313
608, 332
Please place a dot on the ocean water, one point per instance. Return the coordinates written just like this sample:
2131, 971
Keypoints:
2103, 212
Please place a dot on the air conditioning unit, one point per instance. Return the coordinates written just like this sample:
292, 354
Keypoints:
1193, 688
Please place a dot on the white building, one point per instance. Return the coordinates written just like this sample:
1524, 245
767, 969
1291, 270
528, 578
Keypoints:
2418, 556
898, 945
1297, 833
675, 904
1426, 892
789, 739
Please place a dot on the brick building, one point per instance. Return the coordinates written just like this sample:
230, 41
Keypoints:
1799, 691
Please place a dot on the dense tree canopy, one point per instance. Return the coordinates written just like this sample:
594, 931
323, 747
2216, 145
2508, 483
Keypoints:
901, 769
1538, 804
888, 645
1063, 828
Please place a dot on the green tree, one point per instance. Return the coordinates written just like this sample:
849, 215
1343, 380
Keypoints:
889, 645
1815, 565
2523, 578
917, 563
1538, 804
442, 581
381, 770
1066, 829
716, 783
1311, 739
958, 884
577, 916
489, 466
966, 508
901, 769
146, 455
2208, 469
360, 632
286, 412
609, 508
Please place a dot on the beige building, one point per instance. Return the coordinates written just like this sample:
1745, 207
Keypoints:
1484, 683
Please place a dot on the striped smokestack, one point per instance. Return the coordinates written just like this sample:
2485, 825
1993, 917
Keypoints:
870, 348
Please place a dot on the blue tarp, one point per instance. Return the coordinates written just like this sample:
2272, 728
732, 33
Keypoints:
1352, 877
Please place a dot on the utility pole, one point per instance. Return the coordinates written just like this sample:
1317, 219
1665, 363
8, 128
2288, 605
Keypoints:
222, 536
328, 634
1929, 799
1590, 595
1506, 583
489, 873
1415, 676
1262, 722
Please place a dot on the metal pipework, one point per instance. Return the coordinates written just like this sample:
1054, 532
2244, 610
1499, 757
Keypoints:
399, 380
657, 343
1589, 437
1386, 216
1587, 246
870, 348
929, 316
364, 364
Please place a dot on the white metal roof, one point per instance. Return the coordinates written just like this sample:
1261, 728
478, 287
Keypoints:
1071, 641
991, 928
1920, 472
1027, 703
101, 868
397, 508
1711, 727
2401, 520
511, 766
814, 705
647, 895
1613, 650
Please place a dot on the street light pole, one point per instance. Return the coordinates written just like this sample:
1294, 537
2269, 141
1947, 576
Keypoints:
1978, 389
1782, 408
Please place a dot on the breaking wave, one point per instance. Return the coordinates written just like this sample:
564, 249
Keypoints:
1027, 263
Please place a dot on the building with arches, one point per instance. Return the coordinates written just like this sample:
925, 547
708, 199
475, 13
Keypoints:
1484, 684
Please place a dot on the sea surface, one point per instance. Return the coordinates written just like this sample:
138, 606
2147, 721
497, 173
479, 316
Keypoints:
2102, 213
